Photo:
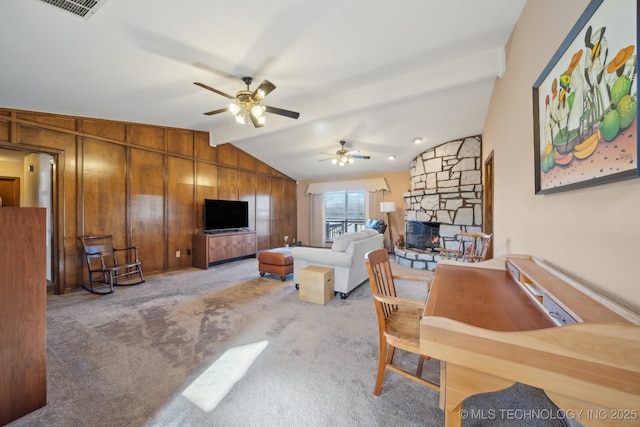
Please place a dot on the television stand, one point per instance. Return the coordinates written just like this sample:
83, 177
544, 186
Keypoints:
221, 247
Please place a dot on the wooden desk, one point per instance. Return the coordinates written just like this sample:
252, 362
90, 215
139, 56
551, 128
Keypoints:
489, 331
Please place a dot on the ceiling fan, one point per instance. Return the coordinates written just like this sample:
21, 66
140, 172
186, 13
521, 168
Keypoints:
246, 107
344, 156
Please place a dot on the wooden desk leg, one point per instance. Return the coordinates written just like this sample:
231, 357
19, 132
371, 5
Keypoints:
457, 383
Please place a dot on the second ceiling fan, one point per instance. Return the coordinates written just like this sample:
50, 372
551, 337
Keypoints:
246, 105
344, 156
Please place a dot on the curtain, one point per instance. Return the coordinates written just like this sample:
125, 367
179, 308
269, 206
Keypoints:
373, 184
316, 219
375, 197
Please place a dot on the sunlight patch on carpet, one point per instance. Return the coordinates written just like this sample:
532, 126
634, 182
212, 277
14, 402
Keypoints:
212, 385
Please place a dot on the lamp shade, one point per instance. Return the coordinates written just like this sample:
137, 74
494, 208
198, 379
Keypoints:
387, 207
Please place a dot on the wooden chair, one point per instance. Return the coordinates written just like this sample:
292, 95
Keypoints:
472, 247
104, 266
398, 319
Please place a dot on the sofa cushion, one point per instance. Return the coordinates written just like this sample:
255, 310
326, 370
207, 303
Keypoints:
342, 242
370, 233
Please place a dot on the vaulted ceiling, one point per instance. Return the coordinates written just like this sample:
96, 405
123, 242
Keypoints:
373, 73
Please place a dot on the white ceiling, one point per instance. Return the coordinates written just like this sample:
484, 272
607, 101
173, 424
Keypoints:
373, 73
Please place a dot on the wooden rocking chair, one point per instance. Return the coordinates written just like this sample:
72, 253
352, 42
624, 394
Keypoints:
104, 266
472, 247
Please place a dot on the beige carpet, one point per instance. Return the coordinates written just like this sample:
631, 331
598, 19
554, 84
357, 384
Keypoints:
224, 347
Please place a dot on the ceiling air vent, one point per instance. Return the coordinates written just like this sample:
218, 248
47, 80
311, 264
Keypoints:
82, 8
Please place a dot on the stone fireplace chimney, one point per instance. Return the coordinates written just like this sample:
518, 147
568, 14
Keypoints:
446, 188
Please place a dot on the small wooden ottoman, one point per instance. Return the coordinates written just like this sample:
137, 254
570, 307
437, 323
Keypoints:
276, 261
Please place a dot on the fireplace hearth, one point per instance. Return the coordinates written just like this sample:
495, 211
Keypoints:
422, 236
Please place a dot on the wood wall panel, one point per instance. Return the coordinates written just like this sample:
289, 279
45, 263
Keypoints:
147, 136
105, 129
180, 141
147, 209
63, 122
228, 155
228, 183
277, 201
247, 193
262, 167
289, 205
125, 168
204, 151
45, 138
180, 202
263, 212
4, 130
246, 161
104, 190
206, 188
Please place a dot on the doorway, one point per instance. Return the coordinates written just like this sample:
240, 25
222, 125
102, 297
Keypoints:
10, 190
27, 180
488, 200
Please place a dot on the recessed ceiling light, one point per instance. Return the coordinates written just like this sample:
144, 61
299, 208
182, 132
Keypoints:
417, 140
391, 157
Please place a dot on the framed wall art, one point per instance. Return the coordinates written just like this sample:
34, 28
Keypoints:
585, 102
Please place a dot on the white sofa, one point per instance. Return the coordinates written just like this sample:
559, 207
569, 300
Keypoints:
346, 257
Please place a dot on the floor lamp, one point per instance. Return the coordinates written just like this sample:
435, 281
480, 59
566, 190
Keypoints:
388, 207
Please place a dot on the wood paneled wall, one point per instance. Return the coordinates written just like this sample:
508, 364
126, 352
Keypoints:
145, 185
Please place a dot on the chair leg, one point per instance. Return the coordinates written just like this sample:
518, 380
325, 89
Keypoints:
381, 367
140, 273
392, 352
420, 364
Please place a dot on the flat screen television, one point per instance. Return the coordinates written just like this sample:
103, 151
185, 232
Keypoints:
222, 215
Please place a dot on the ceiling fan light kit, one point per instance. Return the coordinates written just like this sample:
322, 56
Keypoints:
245, 106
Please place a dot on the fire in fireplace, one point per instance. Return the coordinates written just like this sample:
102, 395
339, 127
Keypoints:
422, 236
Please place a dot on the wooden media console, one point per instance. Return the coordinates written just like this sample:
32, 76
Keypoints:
223, 246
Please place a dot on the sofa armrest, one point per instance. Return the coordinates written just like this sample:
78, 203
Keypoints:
322, 256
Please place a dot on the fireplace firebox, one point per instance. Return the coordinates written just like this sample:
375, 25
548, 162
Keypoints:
422, 236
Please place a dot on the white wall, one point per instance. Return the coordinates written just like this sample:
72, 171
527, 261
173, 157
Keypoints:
593, 234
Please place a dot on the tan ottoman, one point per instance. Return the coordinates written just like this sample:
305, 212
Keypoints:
276, 261
316, 284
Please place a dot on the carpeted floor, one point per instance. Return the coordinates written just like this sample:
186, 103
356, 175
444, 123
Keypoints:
224, 347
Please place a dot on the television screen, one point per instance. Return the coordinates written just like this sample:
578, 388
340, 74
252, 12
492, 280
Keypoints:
225, 215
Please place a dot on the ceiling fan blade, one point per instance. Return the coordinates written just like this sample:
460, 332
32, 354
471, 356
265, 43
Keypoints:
282, 112
202, 85
351, 152
361, 157
324, 160
265, 88
255, 120
211, 113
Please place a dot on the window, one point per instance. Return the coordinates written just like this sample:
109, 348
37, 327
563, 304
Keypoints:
344, 211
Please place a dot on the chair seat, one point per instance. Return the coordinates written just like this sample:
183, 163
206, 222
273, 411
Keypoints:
403, 330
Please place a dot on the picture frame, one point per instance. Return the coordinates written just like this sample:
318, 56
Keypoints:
585, 111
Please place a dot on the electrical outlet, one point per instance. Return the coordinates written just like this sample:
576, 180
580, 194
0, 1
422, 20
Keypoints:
188, 251
177, 254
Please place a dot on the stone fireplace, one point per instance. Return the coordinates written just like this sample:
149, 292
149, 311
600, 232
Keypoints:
445, 189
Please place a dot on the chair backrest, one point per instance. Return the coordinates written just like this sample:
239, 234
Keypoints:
381, 281
474, 246
92, 245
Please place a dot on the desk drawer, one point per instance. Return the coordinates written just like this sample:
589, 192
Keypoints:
559, 315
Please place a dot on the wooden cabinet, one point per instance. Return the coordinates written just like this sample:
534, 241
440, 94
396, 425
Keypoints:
219, 247
23, 312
